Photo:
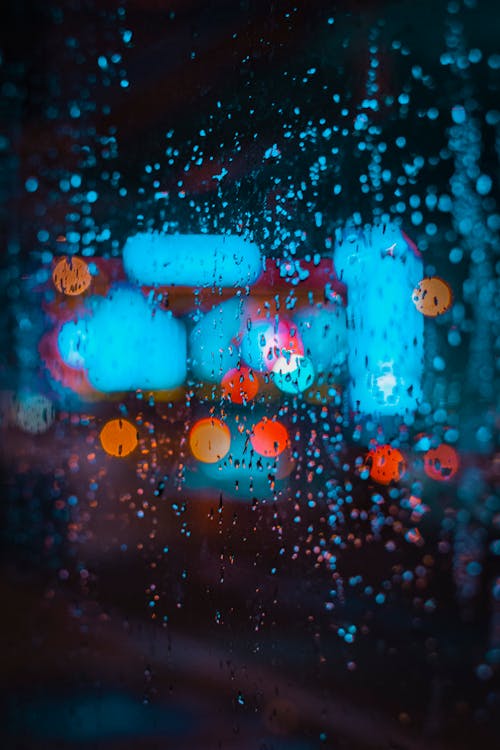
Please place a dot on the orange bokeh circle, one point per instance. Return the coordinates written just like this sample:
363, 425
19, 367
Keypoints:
387, 464
269, 438
240, 385
432, 296
209, 440
441, 463
71, 276
118, 437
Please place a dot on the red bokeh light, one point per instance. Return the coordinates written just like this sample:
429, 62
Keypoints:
269, 438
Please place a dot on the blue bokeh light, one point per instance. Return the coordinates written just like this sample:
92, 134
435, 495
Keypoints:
127, 344
191, 260
384, 330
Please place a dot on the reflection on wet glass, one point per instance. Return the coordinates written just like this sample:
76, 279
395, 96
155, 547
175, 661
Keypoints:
248, 385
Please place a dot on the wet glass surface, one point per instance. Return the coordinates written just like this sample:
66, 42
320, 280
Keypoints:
248, 385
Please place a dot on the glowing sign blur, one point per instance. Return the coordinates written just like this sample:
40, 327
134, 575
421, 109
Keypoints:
323, 331
191, 259
126, 343
384, 331
212, 348
128, 340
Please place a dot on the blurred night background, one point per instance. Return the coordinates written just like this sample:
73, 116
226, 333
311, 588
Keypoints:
145, 603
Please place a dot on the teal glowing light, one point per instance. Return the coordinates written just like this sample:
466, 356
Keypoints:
323, 334
293, 374
384, 330
191, 260
211, 347
126, 344
72, 341
264, 341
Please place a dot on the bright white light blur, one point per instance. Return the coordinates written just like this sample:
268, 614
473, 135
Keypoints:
293, 374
